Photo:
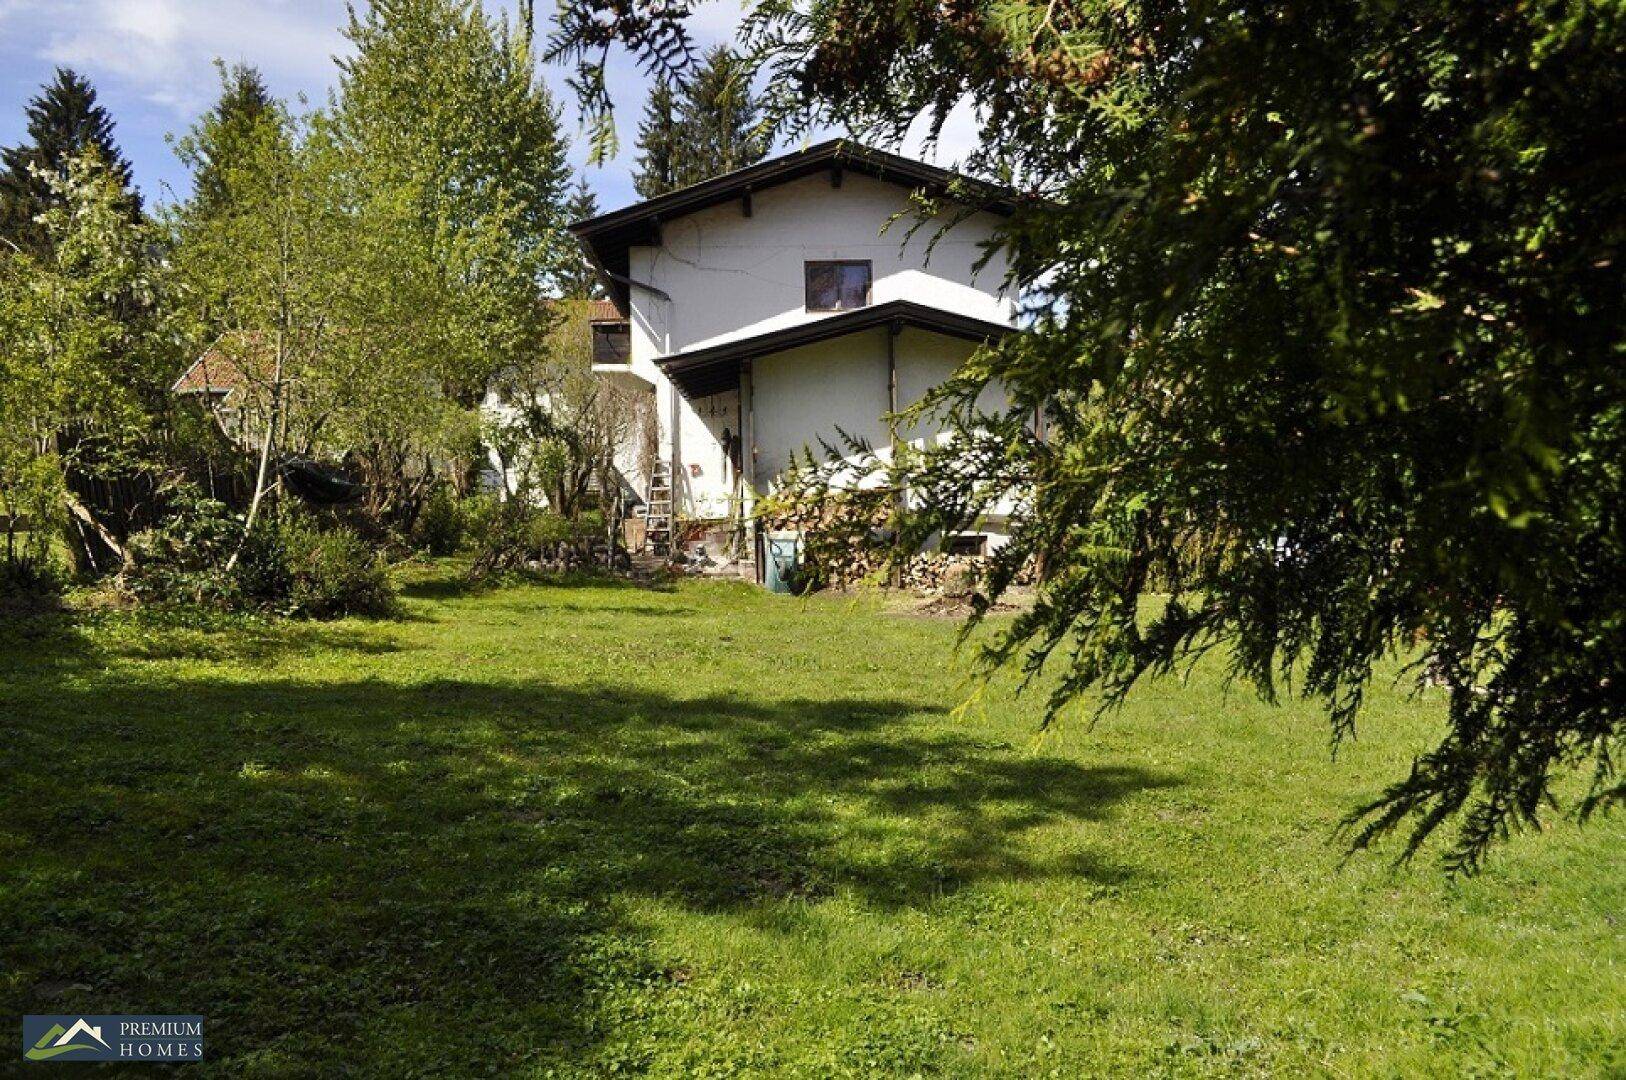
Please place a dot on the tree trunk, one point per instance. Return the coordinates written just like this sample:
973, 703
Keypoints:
266, 446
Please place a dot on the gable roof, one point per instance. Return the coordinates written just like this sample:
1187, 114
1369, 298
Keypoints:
715, 368
219, 371
608, 236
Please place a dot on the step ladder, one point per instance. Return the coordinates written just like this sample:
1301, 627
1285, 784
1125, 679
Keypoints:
658, 509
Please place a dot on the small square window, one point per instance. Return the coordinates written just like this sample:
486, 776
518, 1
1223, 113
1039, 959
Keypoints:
838, 286
612, 343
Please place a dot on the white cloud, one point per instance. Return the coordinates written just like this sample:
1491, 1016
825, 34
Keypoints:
165, 48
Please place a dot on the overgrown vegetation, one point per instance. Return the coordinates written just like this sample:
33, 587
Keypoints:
287, 564
354, 291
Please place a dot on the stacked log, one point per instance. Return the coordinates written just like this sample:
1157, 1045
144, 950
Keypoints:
846, 542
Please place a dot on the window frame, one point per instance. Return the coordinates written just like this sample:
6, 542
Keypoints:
807, 283
606, 329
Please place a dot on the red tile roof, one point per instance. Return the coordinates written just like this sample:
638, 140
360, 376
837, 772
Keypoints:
218, 371
603, 311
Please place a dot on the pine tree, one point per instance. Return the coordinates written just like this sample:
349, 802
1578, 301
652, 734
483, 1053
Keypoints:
579, 280
659, 139
63, 120
244, 101
714, 129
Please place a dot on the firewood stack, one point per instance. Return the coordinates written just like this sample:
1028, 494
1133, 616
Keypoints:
841, 539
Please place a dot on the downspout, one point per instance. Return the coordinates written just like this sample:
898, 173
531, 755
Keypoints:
892, 332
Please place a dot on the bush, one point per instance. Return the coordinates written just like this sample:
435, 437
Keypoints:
330, 573
512, 536
28, 583
442, 525
182, 559
288, 565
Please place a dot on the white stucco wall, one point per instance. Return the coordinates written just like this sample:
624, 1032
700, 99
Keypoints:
803, 396
730, 276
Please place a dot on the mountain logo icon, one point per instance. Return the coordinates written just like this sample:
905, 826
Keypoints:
59, 1040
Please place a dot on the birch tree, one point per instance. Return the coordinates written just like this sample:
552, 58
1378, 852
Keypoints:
266, 273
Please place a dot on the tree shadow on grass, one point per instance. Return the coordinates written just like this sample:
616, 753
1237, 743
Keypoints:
454, 586
316, 866
58, 642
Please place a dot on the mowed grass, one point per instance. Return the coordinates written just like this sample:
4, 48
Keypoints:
551, 830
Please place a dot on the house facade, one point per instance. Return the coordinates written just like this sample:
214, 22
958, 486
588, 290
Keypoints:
769, 310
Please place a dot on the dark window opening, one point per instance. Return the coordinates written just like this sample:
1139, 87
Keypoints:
612, 343
966, 545
838, 286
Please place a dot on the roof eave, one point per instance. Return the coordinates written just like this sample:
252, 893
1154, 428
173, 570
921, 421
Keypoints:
607, 238
708, 370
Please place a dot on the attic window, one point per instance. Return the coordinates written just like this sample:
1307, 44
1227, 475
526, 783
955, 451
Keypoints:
612, 342
841, 285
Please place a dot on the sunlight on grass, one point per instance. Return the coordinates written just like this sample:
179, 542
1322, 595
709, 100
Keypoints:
709, 830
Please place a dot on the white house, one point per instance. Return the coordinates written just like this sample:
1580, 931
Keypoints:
768, 307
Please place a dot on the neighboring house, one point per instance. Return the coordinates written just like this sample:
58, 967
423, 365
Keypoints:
768, 309
222, 380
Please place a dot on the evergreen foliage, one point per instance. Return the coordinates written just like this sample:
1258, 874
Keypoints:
578, 280
659, 139
244, 100
64, 120
721, 119
716, 126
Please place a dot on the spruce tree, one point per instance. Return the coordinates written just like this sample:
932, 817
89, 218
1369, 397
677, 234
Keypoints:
659, 140
712, 130
63, 120
719, 120
209, 150
578, 280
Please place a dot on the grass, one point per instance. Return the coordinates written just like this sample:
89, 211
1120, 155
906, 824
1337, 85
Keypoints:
560, 830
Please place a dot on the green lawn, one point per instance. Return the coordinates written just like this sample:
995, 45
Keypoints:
559, 830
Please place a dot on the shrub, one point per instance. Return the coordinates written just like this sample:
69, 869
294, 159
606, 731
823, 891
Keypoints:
329, 572
288, 564
26, 584
512, 536
442, 525
182, 559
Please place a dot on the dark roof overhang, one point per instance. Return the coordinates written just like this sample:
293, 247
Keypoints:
716, 368
608, 237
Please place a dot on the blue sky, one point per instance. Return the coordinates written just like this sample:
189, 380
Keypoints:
151, 62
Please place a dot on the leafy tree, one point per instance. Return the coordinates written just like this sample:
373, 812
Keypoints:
266, 273
1326, 334
76, 372
63, 121
555, 426
440, 112
244, 100
578, 279
716, 127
